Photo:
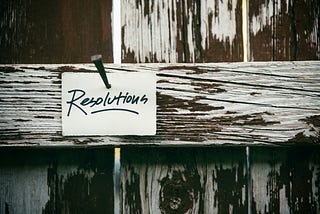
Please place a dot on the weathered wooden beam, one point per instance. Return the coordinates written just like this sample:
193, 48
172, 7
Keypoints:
56, 181
198, 104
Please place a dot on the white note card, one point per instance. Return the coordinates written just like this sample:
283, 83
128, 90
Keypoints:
127, 108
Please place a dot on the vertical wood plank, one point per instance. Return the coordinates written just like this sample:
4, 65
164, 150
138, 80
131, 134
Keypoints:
285, 180
181, 31
183, 180
284, 30
262, 28
305, 20
56, 181
60, 31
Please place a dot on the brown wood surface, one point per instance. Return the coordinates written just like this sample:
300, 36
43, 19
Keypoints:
284, 30
285, 180
58, 31
56, 181
200, 104
181, 31
183, 180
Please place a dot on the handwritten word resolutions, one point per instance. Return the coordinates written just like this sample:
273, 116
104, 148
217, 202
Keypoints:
127, 108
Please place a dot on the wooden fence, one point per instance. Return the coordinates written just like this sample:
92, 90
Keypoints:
231, 137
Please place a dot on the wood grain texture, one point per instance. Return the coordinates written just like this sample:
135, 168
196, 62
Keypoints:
284, 30
60, 31
56, 181
285, 180
213, 180
183, 180
199, 104
181, 31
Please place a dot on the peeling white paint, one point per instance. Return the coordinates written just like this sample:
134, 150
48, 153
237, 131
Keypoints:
223, 24
263, 19
158, 32
152, 30
266, 12
246, 90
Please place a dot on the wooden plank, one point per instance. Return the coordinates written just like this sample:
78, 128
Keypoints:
56, 181
284, 30
199, 104
285, 180
60, 31
183, 180
181, 31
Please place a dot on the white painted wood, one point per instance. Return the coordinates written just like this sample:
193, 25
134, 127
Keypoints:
169, 31
269, 103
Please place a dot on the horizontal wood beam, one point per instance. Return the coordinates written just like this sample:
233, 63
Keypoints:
262, 103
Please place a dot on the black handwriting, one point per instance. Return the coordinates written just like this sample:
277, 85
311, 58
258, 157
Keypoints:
81, 102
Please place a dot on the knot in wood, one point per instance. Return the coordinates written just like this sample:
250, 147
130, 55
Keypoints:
178, 193
175, 202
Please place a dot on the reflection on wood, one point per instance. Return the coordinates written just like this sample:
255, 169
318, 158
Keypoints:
285, 180
56, 181
183, 180
203, 104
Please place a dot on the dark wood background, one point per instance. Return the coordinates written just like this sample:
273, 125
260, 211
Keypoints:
69, 31
166, 180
